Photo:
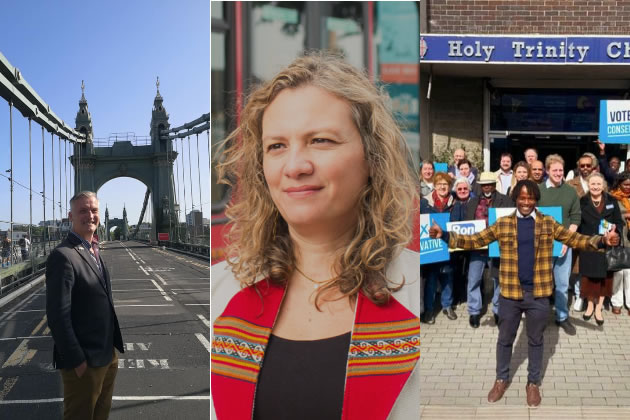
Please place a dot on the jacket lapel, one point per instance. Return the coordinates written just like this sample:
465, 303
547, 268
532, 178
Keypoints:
384, 349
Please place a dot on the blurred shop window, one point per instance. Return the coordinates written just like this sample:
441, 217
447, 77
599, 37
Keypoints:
277, 37
396, 53
343, 32
216, 9
217, 105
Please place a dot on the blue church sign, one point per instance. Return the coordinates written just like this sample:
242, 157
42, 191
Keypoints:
511, 49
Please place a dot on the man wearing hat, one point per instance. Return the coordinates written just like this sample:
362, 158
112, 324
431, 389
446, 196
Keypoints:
477, 209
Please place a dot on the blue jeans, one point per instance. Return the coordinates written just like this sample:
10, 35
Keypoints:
442, 272
478, 261
561, 274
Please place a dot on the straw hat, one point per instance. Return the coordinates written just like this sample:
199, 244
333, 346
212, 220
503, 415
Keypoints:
487, 178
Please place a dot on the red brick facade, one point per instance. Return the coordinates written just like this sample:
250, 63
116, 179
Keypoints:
576, 17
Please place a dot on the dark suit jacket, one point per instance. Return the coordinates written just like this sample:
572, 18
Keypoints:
80, 308
593, 264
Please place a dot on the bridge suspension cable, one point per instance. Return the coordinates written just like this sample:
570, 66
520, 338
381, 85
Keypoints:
52, 160
65, 171
30, 189
177, 194
199, 176
45, 231
60, 185
192, 197
183, 177
11, 169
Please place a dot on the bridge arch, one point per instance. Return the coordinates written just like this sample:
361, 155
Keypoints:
151, 163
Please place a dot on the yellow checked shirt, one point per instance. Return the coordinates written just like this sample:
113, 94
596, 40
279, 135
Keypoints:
546, 230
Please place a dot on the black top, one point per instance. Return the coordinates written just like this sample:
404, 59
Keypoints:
302, 379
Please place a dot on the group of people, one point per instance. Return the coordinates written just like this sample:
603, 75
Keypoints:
527, 274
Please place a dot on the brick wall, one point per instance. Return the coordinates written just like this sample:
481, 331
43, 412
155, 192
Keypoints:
577, 17
456, 115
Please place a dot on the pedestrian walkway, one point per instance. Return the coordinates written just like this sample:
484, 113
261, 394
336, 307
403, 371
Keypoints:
584, 376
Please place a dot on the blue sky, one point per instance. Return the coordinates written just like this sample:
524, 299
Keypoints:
118, 48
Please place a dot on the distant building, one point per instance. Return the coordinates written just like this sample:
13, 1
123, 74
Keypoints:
194, 223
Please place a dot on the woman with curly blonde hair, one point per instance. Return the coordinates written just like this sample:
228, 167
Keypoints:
326, 322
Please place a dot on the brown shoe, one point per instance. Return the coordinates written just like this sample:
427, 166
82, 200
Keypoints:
533, 395
616, 310
497, 391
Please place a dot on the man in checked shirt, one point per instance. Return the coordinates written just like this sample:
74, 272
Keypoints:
525, 279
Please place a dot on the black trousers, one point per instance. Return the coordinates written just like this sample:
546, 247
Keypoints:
536, 314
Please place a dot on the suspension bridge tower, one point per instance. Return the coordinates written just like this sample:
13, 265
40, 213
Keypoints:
151, 164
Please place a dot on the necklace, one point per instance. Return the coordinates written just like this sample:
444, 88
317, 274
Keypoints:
596, 203
316, 283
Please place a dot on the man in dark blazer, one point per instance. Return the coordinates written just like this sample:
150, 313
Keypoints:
81, 316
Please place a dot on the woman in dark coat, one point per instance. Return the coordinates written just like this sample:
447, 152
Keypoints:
441, 201
600, 211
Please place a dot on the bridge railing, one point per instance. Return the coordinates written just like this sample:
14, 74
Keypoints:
117, 137
22, 260
191, 248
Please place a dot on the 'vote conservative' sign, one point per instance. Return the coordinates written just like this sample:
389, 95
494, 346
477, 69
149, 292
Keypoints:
525, 49
432, 250
614, 121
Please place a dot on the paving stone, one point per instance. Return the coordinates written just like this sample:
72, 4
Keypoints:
445, 385
593, 401
427, 393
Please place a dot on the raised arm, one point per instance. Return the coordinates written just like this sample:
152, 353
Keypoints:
584, 242
455, 240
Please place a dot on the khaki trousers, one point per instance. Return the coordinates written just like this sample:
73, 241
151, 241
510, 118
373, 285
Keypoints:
90, 396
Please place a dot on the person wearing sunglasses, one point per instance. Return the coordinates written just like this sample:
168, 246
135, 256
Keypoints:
585, 166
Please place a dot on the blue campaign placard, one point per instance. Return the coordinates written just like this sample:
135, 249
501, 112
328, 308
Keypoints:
494, 214
433, 250
614, 121
440, 167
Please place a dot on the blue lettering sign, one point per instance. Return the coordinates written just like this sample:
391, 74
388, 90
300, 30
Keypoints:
534, 49
614, 121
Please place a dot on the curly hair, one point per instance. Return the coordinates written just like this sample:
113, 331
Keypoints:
620, 178
259, 244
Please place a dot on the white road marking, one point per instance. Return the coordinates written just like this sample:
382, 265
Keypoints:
22, 338
133, 290
204, 320
196, 304
161, 290
145, 271
160, 278
117, 398
204, 341
162, 363
30, 310
142, 279
167, 304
